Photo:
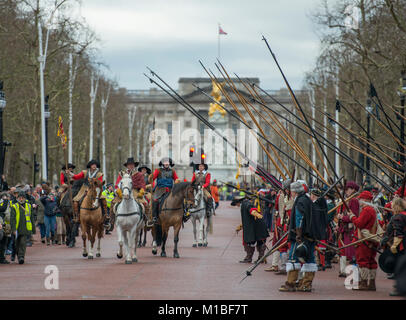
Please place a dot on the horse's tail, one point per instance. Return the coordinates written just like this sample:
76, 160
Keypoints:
158, 234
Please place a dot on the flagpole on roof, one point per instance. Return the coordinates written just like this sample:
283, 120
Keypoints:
218, 42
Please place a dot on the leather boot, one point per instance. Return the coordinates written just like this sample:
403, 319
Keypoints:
250, 252
363, 283
306, 283
48, 241
103, 204
372, 276
290, 284
76, 211
261, 252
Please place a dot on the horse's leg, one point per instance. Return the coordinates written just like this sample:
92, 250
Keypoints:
176, 230
137, 230
154, 245
83, 227
99, 236
138, 239
201, 230
194, 232
92, 237
127, 249
206, 231
120, 241
144, 243
165, 230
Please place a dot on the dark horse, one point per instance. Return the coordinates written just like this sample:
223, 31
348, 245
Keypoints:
171, 215
72, 227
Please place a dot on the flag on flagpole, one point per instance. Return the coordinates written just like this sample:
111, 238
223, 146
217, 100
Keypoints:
221, 31
61, 133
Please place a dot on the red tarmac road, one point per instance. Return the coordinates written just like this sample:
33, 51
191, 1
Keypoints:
200, 273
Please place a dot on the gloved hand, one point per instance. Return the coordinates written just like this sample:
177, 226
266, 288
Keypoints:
238, 228
256, 214
396, 242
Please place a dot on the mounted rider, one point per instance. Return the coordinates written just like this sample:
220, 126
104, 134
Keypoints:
93, 171
63, 179
165, 177
109, 195
146, 172
138, 182
202, 177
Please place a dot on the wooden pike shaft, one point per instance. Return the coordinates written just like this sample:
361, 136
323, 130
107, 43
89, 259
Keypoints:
353, 146
341, 203
213, 78
254, 119
285, 134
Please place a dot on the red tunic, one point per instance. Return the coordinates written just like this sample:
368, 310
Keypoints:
365, 255
206, 182
62, 178
82, 175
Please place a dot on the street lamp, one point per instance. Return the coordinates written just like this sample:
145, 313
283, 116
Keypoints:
119, 147
98, 141
2, 106
369, 110
47, 114
402, 94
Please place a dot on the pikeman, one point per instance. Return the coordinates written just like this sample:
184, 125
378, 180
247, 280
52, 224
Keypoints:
283, 206
63, 179
394, 241
346, 227
165, 177
366, 251
202, 177
253, 227
301, 247
92, 172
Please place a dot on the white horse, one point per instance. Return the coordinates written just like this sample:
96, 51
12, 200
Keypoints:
199, 213
129, 220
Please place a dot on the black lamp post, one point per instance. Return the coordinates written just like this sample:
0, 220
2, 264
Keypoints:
98, 142
119, 147
402, 94
368, 166
47, 114
2, 106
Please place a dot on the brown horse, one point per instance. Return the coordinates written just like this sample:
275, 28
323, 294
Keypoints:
91, 217
171, 215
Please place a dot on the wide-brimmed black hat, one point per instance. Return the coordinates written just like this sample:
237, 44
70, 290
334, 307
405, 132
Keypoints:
171, 163
131, 161
91, 162
236, 200
70, 166
198, 164
145, 167
387, 261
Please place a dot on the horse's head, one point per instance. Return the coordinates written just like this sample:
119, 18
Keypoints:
126, 185
95, 187
192, 194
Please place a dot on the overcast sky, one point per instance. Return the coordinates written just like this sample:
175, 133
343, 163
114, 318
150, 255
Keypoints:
170, 36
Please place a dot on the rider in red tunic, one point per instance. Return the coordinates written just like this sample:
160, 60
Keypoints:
202, 178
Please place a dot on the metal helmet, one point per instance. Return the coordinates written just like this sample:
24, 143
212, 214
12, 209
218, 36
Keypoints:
301, 252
